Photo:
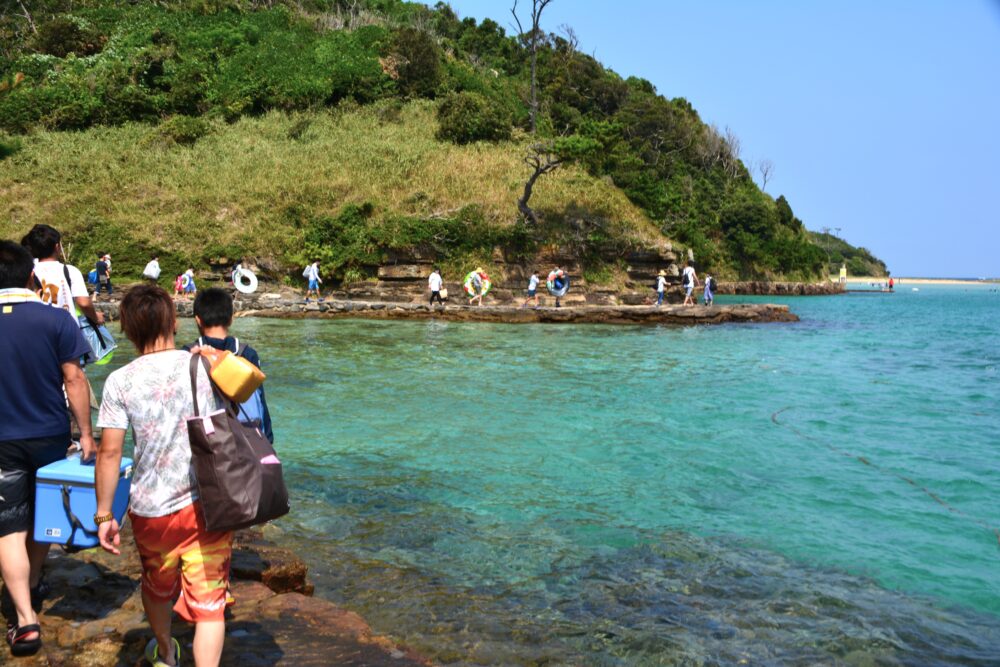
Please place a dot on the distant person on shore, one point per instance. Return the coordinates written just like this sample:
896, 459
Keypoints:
661, 287
434, 283
558, 279
179, 286
311, 274
709, 289
690, 280
152, 270
477, 287
189, 285
892, 284
213, 313
532, 289
40, 351
103, 269
152, 395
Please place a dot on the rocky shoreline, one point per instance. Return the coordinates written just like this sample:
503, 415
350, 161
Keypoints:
93, 616
286, 306
674, 315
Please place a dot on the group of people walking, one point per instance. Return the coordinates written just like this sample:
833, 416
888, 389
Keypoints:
45, 413
689, 281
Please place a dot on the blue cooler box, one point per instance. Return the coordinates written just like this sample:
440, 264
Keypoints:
64, 490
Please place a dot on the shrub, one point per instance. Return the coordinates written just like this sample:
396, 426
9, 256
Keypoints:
467, 117
64, 35
184, 130
8, 146
417, 62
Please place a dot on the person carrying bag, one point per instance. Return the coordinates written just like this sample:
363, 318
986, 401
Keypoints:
240, 479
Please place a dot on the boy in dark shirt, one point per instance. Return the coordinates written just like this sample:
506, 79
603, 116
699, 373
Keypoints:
103, 274
213, 311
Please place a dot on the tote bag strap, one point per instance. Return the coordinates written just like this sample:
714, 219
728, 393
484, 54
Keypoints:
194, 382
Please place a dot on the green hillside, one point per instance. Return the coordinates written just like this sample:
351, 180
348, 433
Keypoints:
279, 130
859, 261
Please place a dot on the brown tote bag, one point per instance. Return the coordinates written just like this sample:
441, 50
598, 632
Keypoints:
240, 481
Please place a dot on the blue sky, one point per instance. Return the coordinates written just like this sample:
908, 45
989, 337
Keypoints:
881, 118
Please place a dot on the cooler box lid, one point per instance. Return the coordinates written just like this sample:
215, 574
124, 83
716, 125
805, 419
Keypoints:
73, 471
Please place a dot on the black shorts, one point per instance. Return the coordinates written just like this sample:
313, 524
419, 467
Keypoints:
19, 461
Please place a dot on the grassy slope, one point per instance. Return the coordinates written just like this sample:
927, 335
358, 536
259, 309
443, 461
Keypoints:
127, 190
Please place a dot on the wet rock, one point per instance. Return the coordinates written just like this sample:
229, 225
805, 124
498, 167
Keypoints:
94, 616
767, 288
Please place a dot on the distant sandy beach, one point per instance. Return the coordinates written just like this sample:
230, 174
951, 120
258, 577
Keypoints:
919, 281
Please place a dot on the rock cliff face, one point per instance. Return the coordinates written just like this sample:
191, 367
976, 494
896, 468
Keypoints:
94, 617
403, 276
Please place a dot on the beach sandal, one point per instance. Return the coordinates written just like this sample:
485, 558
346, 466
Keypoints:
19, 645
152, 653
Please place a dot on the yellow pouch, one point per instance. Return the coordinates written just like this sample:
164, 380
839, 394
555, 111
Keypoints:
235, 377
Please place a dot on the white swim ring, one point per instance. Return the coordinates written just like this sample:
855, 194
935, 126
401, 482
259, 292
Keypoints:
245, 281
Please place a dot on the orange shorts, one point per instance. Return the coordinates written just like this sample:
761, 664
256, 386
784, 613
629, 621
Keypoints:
178, 553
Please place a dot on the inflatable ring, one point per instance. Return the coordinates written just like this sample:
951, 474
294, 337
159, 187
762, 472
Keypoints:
557, 283
248, 287
470, 288
185, 281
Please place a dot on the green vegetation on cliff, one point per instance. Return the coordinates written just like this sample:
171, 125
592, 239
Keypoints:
199, 128
859, 261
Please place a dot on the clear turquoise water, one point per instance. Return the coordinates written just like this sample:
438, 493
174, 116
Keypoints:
518, 494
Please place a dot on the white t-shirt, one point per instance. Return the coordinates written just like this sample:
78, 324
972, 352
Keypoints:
153, 395
661, 283
55, 291
533, 283
434, 282
314, 272
689, 272
152, 270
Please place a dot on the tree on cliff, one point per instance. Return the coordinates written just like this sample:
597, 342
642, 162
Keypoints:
548, 156
537, 7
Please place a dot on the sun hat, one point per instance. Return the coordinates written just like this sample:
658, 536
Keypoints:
662, 273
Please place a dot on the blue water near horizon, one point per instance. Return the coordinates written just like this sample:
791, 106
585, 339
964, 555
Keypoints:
519, 494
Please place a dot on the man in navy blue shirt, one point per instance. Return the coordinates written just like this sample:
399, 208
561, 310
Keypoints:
40, 350
213, 312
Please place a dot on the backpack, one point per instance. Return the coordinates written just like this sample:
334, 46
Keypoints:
710, 284
685, 279
308, 270
252, 411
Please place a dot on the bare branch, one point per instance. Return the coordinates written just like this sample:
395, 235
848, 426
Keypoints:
517, 19
572, 39
537, 7
27, 15
766, 170
542, 159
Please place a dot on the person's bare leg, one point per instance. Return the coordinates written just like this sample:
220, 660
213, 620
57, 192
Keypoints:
37, 552
159, 615
15, 568
209, 638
